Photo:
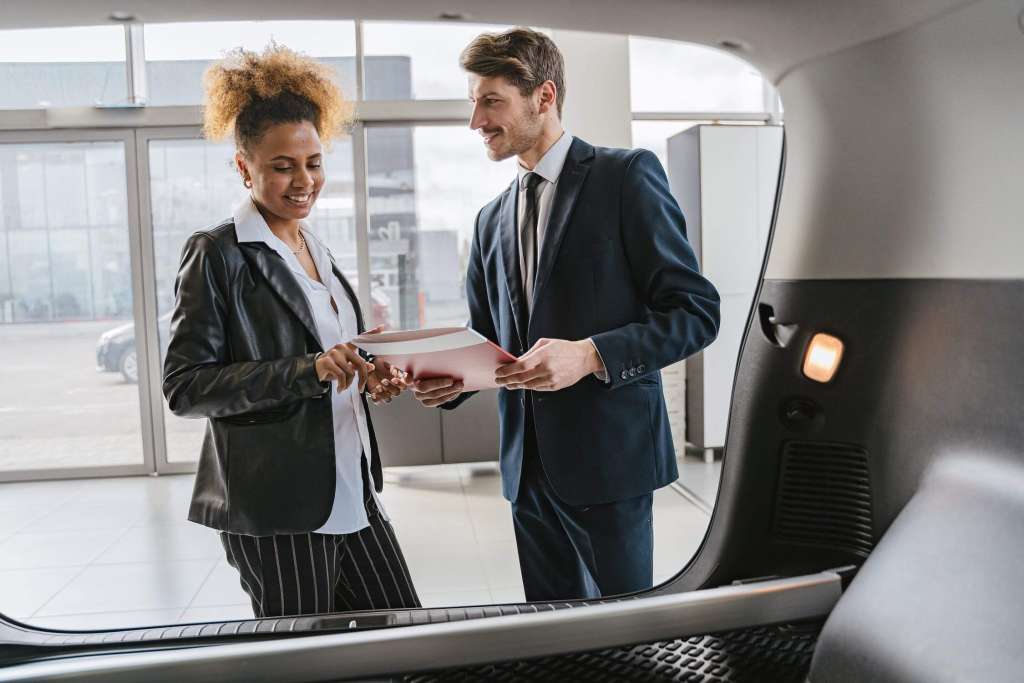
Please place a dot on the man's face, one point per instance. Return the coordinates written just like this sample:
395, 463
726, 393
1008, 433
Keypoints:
509, 122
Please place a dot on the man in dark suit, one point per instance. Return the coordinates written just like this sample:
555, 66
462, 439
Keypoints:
582, 268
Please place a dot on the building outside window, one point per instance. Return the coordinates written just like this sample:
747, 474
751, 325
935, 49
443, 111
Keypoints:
62, 67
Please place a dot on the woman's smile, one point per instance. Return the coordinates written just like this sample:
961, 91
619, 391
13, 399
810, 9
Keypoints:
301, 200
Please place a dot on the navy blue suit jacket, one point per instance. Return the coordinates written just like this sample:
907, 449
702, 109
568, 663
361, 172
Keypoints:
615, 266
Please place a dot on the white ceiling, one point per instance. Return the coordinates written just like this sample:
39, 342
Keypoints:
780, 33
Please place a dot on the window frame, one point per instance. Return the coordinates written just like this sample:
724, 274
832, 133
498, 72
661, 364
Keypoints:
143, 342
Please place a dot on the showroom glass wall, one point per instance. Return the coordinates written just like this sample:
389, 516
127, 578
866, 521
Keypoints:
97, 196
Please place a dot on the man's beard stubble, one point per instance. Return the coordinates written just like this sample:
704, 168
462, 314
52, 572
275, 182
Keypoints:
523, 135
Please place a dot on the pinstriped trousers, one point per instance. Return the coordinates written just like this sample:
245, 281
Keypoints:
311, 573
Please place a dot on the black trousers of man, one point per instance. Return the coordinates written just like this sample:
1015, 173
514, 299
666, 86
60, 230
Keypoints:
578, 552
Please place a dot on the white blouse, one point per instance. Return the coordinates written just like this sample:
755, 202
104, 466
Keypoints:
351, 434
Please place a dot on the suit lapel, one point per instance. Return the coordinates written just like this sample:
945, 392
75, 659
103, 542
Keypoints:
567, 191
274, 269
510, 259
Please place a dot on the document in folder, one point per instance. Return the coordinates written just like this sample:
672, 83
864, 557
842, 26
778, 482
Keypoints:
457, 352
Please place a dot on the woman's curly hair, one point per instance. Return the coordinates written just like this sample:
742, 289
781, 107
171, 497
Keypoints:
247, 92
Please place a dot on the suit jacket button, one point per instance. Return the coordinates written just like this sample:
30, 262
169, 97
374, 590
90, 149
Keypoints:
624, 374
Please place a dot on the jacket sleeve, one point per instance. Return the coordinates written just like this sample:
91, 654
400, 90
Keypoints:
682, 307
199, 378
479, 305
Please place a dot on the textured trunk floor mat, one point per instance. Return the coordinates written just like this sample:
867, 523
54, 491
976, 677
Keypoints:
775, 654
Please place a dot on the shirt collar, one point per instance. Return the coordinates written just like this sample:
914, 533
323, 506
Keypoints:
550, 165
250, 226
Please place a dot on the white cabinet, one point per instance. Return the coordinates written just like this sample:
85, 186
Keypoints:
409, 434
724, 178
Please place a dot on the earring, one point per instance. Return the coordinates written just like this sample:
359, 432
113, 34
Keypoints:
248, 183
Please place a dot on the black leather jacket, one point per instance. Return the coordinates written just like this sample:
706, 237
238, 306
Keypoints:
242, 349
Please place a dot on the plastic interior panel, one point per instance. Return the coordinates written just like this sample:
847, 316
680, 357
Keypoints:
932, 367
940, 598
774, 654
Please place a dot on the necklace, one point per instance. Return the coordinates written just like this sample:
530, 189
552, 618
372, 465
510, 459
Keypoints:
302, 245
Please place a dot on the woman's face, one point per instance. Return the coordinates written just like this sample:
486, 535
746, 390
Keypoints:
286, 169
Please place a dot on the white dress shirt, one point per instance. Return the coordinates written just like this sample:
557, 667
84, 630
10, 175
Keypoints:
351, 433
549, 168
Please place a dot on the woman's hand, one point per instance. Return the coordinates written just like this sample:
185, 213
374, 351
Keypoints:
385, 383
343, 364
437, 391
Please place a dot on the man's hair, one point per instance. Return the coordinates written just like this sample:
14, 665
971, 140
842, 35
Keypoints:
524, 57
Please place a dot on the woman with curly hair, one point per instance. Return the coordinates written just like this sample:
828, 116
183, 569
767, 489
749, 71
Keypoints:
289, 469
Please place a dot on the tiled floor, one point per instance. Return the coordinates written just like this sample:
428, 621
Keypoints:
117, 553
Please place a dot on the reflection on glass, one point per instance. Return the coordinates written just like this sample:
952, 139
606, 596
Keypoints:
429, 51
62, 67
65, 293
177, 54
666, 75
194, 185
426, 184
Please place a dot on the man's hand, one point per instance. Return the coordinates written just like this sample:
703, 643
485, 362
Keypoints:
551, 364
438, 391
344, 364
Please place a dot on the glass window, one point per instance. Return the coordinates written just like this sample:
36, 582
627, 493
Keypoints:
26, 182
5, 268
426, 185
666, 75
62, 67
178, 54
194, 186
111, 275
66, 244
71, 271
66, 294
65, 178
417, 60
103, 171
31, 285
